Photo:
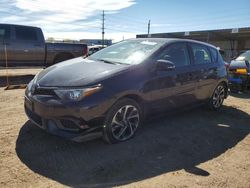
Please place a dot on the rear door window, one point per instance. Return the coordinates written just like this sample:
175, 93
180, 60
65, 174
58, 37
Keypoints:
25, 33
201, 54
176, 53
4, 32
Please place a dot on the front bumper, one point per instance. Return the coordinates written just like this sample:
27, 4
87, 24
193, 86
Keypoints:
73, 122
234, 78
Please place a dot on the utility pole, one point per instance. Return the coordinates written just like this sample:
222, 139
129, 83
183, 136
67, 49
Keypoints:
103, 28
148, 28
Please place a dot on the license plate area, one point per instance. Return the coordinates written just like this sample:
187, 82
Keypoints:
235, 80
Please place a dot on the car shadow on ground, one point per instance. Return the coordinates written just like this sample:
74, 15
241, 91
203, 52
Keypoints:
241, 95
15, 80
180, 141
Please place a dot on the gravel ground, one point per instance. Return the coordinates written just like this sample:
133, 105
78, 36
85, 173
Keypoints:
196, 148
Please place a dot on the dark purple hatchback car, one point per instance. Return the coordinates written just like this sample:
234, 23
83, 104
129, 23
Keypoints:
112, 91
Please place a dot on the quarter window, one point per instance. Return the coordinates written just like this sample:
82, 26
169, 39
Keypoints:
201, 54
176, 53
25, 33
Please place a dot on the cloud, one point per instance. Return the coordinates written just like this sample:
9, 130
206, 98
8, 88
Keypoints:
60, 16
76, 6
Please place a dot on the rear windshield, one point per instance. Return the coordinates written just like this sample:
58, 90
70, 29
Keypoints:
128, 52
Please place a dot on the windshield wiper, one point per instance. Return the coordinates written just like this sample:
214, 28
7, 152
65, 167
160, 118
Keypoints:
110, 62
106, 61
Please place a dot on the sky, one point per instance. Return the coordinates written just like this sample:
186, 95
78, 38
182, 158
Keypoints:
82, 19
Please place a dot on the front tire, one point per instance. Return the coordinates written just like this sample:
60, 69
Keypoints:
122, 121
217, 99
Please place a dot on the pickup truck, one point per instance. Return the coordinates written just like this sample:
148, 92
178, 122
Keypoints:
26, 46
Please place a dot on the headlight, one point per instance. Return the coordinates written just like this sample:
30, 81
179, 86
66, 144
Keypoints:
76, 94
29, 86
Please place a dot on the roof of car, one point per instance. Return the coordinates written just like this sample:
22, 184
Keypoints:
167, 40
17, 25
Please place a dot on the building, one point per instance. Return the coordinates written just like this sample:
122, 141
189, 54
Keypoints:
91, 42
232, 42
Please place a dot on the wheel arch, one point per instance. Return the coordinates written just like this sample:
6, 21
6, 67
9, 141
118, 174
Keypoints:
224, 82
62, 55
138, 99
226, 85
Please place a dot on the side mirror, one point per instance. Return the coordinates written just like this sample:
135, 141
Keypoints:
164, 65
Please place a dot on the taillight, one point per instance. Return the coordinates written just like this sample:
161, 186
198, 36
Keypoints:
241, 71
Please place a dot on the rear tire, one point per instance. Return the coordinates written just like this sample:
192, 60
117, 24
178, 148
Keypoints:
219, 94
122, 121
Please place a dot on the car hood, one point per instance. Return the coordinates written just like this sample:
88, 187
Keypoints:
238, 64
77, 72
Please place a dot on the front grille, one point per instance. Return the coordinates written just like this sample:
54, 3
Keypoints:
43, 91
33, 116
69, 125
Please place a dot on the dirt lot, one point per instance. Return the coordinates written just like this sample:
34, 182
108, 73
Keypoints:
17, 75
198, 148
14, 71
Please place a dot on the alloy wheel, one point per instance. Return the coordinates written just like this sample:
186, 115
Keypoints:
125, 122
218, 96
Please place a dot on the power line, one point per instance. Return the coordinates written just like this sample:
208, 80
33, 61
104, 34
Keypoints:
141, 21
137, 25
123, 30
127, 19
134, 25
77, 8
125, 27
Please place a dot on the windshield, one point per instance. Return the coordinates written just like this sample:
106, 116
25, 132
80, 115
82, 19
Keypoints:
244, 57
128, 52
